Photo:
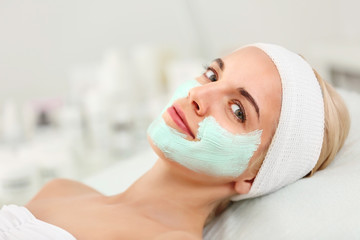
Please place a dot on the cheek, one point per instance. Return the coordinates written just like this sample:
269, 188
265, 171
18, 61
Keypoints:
226, 120
266, 138
269, 117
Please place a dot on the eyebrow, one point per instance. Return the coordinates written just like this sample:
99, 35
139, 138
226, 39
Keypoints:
247, 95
220, 62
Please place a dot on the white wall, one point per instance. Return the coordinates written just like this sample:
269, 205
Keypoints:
40, 41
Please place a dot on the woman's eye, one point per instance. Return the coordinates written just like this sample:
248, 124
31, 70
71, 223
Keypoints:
211, 75
238, 112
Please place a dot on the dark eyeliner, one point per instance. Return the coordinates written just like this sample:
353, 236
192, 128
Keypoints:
237, 102
207, 68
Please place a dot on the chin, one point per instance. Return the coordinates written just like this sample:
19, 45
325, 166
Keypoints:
175, 165
155, 148
162, 156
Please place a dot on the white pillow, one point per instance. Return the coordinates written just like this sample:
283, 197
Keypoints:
325, 206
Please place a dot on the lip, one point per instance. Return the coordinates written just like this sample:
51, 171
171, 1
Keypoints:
179, 118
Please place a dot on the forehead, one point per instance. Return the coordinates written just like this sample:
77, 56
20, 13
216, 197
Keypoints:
252, 69
253, 63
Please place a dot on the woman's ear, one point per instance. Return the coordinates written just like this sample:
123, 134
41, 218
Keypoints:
243, 184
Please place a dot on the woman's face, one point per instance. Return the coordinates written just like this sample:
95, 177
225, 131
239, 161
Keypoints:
242, 91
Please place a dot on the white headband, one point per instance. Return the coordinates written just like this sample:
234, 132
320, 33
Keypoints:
297, 142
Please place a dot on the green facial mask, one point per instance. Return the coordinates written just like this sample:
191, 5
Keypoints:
217, 153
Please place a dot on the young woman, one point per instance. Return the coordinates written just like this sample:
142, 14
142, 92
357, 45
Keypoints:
256, 120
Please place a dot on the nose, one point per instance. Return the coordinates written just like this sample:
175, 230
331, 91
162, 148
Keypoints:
201, 98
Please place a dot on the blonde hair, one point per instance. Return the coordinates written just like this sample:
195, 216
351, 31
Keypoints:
337, 125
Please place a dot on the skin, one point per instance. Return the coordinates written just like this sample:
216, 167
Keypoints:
171, 201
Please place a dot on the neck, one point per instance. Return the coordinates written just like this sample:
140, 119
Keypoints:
176, 197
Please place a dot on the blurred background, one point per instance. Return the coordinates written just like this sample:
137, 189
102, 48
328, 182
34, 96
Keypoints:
82, 79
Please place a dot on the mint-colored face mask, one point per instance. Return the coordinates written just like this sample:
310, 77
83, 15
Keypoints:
217, 153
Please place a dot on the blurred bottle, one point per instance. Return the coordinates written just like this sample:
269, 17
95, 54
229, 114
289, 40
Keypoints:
148, 64
11, 128
108, 110
71, 126
18, 179
51, 146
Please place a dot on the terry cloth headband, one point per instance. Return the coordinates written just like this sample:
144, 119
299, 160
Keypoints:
297, 142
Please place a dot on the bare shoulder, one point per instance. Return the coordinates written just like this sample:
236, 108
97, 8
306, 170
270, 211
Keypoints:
61, 187
177, 235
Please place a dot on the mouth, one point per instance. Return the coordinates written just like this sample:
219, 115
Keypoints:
179, 119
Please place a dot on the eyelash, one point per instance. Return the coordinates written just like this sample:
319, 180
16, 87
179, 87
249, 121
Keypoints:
242, 109
208, 68
236, 102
